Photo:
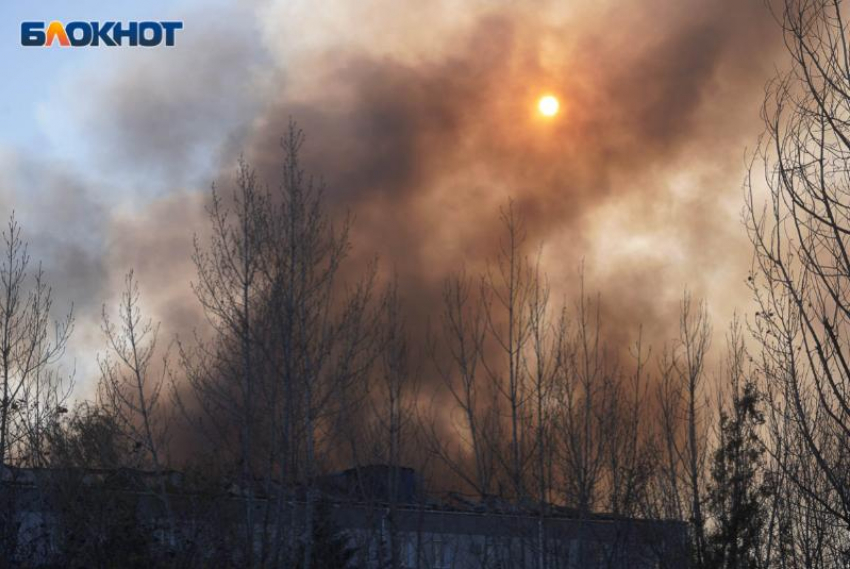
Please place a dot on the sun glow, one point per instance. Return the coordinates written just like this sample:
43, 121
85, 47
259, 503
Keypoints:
548, 106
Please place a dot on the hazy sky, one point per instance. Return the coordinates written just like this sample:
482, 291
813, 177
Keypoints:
420, 117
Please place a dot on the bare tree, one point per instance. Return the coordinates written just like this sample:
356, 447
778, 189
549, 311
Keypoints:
549, 355
393, 430
668, 501
132, 390
31, 393
271, 283
801, 272
230, 290
462, 328
679, 446
628, 460
584, 391
694, 341
32, 398
507, 290
323, 328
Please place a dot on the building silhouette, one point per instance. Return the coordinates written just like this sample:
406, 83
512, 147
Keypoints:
377, 514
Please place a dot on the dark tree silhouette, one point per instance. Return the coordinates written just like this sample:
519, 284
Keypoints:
737, 493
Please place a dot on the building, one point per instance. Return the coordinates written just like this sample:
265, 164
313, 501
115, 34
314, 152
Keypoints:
377, 514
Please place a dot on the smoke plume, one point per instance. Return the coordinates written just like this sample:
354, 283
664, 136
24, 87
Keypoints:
420, 119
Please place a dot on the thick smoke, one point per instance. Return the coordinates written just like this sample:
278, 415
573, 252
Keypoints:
421, 121
639, 176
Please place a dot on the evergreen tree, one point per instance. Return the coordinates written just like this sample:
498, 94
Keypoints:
737, 492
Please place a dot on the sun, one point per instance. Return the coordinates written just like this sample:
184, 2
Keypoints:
548, 105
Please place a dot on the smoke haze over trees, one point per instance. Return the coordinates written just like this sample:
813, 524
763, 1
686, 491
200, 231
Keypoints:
640, 179
433, 280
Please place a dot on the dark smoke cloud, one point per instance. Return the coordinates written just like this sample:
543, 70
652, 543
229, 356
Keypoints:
162, 120
63, 223
420, 119
660, 101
